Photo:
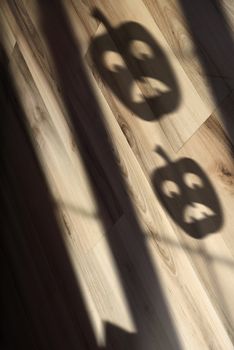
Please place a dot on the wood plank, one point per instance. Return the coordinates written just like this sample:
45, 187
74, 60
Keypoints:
214, 35
145, 281
211, 149
150, 222
135, 185
192, 54
7, 38
76, 234
142, 143
78, 16
31, 240
143, 140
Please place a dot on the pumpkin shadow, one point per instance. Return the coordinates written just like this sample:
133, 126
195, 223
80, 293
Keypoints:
188, 196
134, 66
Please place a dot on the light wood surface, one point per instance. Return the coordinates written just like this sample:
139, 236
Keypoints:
117, 176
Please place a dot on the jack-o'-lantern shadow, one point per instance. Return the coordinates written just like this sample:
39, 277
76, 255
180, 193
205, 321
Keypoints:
134, 66
188, 196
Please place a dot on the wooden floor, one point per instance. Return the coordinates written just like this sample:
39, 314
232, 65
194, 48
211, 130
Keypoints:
117, 174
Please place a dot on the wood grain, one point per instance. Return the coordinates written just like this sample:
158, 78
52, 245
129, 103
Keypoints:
175, 26
87, 235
